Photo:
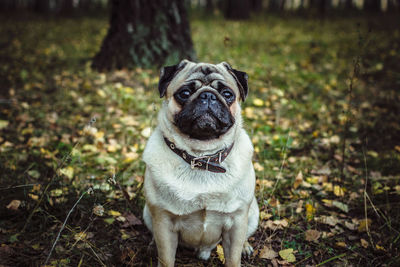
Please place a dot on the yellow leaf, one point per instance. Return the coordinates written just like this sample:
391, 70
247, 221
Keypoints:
3, 124
114, 213
364, 243
338, 191
130, 156
36, 246
258, 102
220, 252
68, 171
287, 255
101, 93
310, 211
80, 236
340, 244
364, 224
264, 215
249, 113
380, 247
34, 197
99, 135
313, 180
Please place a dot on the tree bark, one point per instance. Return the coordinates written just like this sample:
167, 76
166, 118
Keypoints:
145, 34
238, 9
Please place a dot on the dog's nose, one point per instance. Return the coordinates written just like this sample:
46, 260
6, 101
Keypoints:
208, 97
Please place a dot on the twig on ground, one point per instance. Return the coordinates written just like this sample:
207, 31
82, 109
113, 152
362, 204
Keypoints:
62, 227
47, 187
331, 259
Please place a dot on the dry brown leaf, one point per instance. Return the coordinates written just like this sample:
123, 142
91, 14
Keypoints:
312, 235
364, 224
268, 253
298, 180
14, 204
364, 243
131, 220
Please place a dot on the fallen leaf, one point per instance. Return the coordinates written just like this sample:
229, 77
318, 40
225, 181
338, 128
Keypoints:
34, 173
98, 210
340, 206
364, 224
310, 211
287, 255
264, 215
68, 171
341, 244
380, 247
338, 191
109, 220
114, 213
3, 124
312, 235
350, 226
330, 220
268, 253
364, 243
33, 196
80, 236
131, 220
258, 102
14, 204
299, 207
146, 132
220, 253
298, 180
130, 156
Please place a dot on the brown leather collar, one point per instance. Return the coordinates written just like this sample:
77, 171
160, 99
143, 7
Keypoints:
209, 162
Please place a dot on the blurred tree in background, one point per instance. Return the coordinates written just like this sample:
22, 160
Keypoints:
145, 33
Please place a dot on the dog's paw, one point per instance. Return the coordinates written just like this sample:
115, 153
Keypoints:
204, 254
247, 250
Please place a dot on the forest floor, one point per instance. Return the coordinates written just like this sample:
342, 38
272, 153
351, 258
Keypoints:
322, 112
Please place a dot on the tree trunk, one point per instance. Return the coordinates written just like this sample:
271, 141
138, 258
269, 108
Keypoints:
256, 5
144, 34
372, 5
238, 9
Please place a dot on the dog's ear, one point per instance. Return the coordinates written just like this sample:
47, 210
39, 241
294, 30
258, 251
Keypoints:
167, 73
241, 79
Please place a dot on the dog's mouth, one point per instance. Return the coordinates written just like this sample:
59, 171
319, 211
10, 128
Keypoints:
204, 124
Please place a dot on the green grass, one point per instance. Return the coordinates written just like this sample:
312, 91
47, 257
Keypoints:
68, 128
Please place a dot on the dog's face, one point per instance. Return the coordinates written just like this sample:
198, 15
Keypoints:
203, 98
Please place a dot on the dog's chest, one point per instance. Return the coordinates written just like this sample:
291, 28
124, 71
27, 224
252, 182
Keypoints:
202, 228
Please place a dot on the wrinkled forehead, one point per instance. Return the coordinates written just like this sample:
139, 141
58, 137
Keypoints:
204, 74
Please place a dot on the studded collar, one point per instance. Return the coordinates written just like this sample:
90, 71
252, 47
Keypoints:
210, 163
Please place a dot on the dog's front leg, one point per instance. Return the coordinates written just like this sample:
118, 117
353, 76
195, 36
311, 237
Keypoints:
166, 238
233, 240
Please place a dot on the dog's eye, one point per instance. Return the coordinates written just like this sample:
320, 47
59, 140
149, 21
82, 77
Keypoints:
227, 94
184, 94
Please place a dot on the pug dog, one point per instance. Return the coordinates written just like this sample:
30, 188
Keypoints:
199, 181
